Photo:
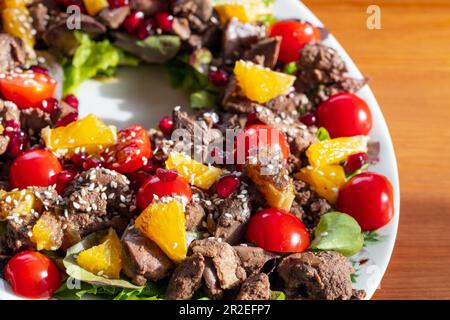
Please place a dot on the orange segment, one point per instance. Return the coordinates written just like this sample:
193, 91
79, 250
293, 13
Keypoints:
104, 259
44, 232
333, 151
17, 21
261, 84
326, 180
165, 223
21, 202
95, 6
244, 11
90, 135
196, 173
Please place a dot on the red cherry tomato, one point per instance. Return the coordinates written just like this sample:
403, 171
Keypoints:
295, 35
132, 150
34, 168
344, 115
27, 89
278, 231
367, 197
32, 275
165, 183
260, 135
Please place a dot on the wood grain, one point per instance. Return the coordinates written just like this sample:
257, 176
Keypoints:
408, 62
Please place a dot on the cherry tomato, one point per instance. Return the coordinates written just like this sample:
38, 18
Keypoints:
164, 183
367, 197
260, 135
344, 115
27, 89
278, 231
132, 150
295, 35
34, 168
32, 275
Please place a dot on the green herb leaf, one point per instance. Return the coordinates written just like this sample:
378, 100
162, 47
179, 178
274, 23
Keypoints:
203, 99
159, 48
278, 295
338, 232
184, 76
322, 134
360, 170
372, 237
290, 68
92, 59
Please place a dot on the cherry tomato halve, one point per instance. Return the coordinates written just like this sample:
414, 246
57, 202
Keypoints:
132, 151
278, 231
34, 168
32, 275
344, 115
260, 136
164, 183
294, 36
27, 89
368, 197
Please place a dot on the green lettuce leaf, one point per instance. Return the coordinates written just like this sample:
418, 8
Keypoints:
338, 232
91, 59
151, 291
76, 272
184, 76
159, 48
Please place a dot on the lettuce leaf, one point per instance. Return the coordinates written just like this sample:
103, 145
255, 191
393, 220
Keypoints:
151, 291
338, 232
93, 58
76, 272
184, 76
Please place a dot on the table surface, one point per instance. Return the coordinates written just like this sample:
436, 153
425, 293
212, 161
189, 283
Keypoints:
408, 63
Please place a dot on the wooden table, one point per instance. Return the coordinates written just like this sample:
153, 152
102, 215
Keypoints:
408, 62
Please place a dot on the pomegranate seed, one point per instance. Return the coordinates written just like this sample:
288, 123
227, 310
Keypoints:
114, 4
227, 185
137, 179
72, 101
92, 162
166, 175
164, 20
78, 160
63, 179
252, 119
133, 21
12, 125
18, 142
219, 78
37, 69
355, 162
151, 166
146, 29
308, 119
64, 121
49, 105
166, 125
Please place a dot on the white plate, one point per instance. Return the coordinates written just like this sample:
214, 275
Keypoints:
143, 95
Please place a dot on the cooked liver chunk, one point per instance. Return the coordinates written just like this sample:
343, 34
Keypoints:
323, 275
256, 287
186, 279
225, 260
143, 260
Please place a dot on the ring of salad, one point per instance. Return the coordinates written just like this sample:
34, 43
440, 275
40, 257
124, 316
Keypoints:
263, 192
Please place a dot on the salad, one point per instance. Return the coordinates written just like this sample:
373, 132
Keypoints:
263, 192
